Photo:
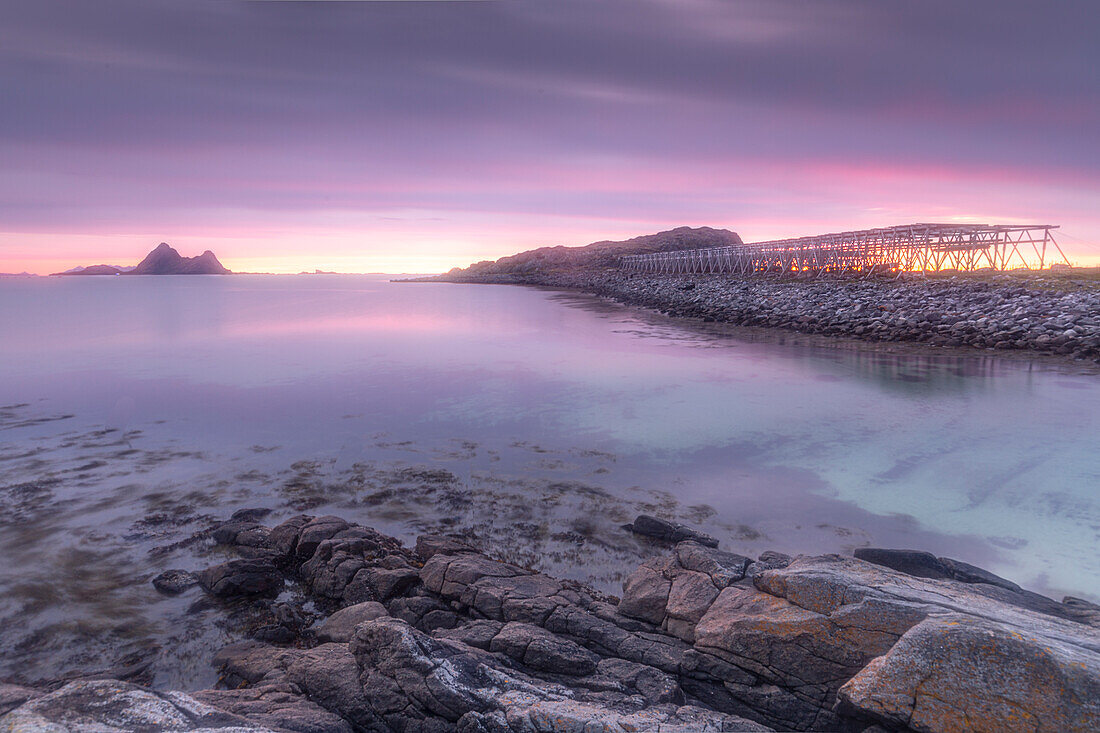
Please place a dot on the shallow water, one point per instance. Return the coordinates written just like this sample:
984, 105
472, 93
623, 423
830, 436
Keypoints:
134, 411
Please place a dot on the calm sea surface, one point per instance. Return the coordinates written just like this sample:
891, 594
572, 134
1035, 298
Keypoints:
134, 411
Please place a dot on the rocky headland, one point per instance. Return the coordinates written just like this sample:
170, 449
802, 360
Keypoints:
352, 631
1056, 313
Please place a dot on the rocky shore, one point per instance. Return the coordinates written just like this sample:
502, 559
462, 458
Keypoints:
987, 311
1005, 313
352, 631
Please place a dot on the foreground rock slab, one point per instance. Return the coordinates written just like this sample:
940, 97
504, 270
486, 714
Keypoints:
1039, 685
443, 638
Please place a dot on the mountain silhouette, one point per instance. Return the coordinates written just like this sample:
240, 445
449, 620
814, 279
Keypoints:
163, 260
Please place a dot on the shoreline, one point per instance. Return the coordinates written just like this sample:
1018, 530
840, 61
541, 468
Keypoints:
957, 316
350, 630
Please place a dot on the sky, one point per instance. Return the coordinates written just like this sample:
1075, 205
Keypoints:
417, 136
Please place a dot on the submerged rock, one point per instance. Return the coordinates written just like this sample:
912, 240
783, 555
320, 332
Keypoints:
242, 577
175, 581
663, 529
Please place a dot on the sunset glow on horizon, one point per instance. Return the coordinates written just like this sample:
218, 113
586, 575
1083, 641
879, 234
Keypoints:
416, 137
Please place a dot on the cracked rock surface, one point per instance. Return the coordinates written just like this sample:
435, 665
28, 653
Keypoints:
381, 637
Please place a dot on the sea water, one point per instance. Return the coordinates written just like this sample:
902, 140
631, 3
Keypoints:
136, 411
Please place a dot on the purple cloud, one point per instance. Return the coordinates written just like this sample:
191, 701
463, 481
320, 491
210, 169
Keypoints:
223, 116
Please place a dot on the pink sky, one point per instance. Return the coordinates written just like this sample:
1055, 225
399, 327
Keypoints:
415, 137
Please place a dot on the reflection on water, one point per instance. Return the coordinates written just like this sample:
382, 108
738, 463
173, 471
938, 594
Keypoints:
891, 366
138, 410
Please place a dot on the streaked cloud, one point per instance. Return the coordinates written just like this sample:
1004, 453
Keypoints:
520, 122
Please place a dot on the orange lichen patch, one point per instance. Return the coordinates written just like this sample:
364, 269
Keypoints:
783, 642
975, 675
747, 609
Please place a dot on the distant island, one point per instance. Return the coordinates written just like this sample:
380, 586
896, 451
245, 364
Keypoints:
164, 260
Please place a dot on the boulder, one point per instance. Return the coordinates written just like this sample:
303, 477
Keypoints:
794, 648
283, 539
662, 529
771, 559
381, 583
495, 590
243, 577
428, 546
424, 612
646, 590
675, 591
251, 514
353, 563
174, 581
478, 633
723, 568
242, 531
964, 572
956, 672
911, 562
542, 650
340, 625
689, 597
655, 686
926, 565
329, 675
253, 663
985, 583
314, 532
448, 575
872, 608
